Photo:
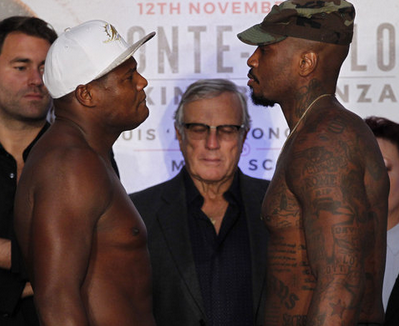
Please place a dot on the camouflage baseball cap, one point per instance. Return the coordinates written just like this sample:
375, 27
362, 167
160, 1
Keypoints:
323, 21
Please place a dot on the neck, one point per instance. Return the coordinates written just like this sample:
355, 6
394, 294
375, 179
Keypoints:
215, 205
309, 107
93, 136
212, 190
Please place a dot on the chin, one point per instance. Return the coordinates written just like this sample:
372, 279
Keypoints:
209, 175
260, 100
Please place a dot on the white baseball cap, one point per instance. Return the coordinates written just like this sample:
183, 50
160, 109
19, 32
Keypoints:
84, 53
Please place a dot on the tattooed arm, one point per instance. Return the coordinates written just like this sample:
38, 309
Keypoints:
329, 184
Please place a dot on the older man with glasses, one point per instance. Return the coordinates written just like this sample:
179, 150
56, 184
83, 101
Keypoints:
206, 240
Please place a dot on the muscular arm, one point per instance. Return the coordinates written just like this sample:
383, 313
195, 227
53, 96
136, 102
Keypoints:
68, 201
337, 223
334, 228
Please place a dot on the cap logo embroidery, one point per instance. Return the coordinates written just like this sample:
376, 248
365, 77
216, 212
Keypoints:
112, 33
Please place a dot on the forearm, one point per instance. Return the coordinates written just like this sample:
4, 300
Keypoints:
5, 253
60, 308
338, 302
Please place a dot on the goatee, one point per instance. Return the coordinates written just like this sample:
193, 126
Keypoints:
260, 100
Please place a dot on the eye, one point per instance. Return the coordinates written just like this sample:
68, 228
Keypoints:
20, 68
130, 74
228, 129
197, 128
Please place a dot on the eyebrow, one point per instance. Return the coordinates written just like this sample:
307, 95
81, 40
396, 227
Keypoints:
130, 71
23, 60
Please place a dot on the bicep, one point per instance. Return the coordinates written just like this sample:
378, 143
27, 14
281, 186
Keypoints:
331, 192
65, 212
60, 242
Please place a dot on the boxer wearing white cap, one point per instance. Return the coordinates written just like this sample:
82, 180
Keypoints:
82, 238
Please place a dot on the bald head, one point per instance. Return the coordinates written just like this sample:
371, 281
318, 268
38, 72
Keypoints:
317, 59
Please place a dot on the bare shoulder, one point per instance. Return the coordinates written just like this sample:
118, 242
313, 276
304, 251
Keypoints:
334, 148
69, 168
338, 136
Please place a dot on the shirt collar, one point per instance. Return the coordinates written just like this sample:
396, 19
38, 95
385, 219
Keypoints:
27, 150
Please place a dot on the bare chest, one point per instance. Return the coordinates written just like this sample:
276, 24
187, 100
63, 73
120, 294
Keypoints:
280, 208
121, 225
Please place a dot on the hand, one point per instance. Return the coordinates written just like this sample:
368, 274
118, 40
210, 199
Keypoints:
5, 253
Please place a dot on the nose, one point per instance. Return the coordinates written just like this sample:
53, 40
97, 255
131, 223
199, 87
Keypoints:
212, 140
253, 60
142, 83
35, 77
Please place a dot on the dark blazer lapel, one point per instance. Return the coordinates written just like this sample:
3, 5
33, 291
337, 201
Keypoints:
172, 218
254, 196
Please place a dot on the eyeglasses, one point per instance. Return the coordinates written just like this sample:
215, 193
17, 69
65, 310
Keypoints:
198, 131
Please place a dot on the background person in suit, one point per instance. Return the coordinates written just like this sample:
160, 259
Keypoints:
387, 134
206, 240
24, 104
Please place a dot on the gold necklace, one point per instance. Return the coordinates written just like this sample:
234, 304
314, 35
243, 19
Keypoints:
303, 116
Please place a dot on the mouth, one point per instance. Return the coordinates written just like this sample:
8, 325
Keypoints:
34, 96
144, 99
252, 78
211, 160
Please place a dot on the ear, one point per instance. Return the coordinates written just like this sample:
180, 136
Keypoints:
85, 95
308, 63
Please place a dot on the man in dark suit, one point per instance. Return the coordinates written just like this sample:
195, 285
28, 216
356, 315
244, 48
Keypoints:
24, 104
206, 240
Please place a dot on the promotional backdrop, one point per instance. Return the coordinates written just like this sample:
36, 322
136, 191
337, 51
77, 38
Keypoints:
197, 39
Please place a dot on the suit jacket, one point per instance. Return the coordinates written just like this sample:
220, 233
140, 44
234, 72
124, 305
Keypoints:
177, 299
392, 312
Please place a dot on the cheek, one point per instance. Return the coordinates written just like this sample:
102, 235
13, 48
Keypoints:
232, 154
189, 150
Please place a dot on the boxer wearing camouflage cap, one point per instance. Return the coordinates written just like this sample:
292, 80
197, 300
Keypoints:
323, 21
326, 206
